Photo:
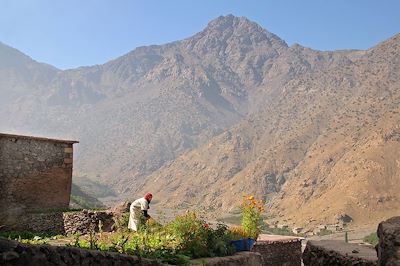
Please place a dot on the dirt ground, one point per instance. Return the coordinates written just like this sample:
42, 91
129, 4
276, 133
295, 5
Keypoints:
354, 235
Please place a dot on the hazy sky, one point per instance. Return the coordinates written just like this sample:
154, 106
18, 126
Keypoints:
72, 33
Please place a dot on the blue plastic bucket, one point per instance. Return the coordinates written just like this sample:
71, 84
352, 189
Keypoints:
250, 242
244, 244
238, 244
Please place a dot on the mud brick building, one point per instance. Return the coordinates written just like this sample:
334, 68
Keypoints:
35, 176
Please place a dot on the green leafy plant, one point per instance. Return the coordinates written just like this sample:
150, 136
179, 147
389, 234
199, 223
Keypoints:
372, 239
324, 232
219, 241
277, 231
190, 231
121, 223
237, 232
29, 235
186, 237
251, 219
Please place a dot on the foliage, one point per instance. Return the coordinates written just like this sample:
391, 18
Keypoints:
121, 223
186, 237
91, 187
251, 220
82, 202
197, 238
237, 232
232, 219
277, 231
30, 237
85, 193
372, 239
324, 232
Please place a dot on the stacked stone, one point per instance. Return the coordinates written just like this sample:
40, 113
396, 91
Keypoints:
52, 223
66, 222
280, 251
86, 221
15, 253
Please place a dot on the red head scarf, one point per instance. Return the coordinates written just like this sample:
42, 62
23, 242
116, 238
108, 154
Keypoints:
148, 196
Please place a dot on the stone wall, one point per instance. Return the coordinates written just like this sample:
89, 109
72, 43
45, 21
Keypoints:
333, 252
15, 253
284, 251
35, 174
66, 222
242, 258
389, 241
51, 223
85, 221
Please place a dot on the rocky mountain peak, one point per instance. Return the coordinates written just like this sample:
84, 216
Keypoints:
231, 31
241, 27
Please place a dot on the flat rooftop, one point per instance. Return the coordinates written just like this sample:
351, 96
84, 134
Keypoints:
4, 135
277, 238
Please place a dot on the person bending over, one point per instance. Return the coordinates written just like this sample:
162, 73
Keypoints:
138, 212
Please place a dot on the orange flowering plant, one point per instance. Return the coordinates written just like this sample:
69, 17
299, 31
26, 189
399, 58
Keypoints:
251, 220
237, 232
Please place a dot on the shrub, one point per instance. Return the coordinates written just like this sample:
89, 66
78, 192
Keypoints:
121, 223
372, 239
324, 232
191, 232
277, 231
251, 220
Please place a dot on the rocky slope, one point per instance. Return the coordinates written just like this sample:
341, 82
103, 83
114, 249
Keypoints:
230, 110
326, 145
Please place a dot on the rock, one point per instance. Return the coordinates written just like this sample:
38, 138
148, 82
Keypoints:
344, 218
389, 241
10, 255
121, 208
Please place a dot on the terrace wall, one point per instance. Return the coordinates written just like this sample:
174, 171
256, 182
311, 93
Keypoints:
284, 251
15, 253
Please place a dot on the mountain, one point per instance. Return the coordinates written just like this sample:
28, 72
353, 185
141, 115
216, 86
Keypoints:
324, 147
20, 74
231, 110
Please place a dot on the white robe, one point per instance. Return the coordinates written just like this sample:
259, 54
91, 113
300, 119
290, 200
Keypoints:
136, 211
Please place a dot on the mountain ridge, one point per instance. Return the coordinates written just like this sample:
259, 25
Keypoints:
153, 113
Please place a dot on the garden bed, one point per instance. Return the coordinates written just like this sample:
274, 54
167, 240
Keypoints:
181, 240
